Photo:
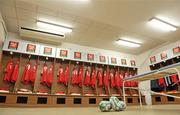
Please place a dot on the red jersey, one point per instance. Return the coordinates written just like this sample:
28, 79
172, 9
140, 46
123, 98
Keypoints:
121, 77
26, 73
161, 82
80, 77
66, 76
60, 75
8, 71
174, 78
74, 79
33, 73
93, 78
105, 79
44, 74
100, 79
15, 72
117, 80
111, 75
127, 83
50, 76
87, 79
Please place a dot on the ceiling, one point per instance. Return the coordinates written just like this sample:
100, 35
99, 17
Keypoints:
98, 23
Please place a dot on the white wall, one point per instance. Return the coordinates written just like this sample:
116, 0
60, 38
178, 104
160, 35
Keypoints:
143, 65
2, 35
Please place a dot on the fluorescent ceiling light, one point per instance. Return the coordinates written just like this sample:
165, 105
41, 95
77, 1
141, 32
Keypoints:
128, 43
162, 25
55, 27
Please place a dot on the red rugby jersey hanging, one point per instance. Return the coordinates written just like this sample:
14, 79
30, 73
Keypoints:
135, 82
44, 74
161, 82
105, 79
26, 73
174, 78
80, 77
100, 78
87, 78
66, 76
8, 71
121, 77
132, 83
33, 73
74, 79
111, 75
93, 78
117, 80
50, 76
15, 72
127, 83
60, 75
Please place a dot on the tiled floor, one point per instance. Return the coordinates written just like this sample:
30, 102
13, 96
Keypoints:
131, 110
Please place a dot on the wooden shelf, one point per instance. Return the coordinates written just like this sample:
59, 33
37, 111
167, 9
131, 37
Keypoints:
33, 100
158, 99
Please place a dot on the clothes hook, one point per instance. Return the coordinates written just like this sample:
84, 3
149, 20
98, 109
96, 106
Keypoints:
29, 57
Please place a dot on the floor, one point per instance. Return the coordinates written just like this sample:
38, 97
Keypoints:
131, 110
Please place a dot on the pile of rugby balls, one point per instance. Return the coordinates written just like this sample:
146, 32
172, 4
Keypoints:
113, 104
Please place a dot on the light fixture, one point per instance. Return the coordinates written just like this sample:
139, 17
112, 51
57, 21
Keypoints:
128, 43
54, 27
161, 24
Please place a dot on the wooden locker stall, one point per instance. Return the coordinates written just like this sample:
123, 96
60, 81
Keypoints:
28, 69
7, 58
40, 86
101, 90
113, 70
60, 87
73, 86
89, 72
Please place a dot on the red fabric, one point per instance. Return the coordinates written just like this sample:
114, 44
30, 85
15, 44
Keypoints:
136, 84
121, 80
44, 74
66, 76
50, 76
105, 79
132, 83
93, 78
127, 83
117, 80
61, 75
74, 79
100, 79
15, 72
80, 77
8, 71
32, 76
161, 82
26, 73
87, 78
174, 78
111, 75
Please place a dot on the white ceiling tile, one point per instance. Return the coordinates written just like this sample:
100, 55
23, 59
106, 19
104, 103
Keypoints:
26, 14
11, 24
9, 3
83, 20
8, 11
27, 23
47, 18
47, 11
26, 5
